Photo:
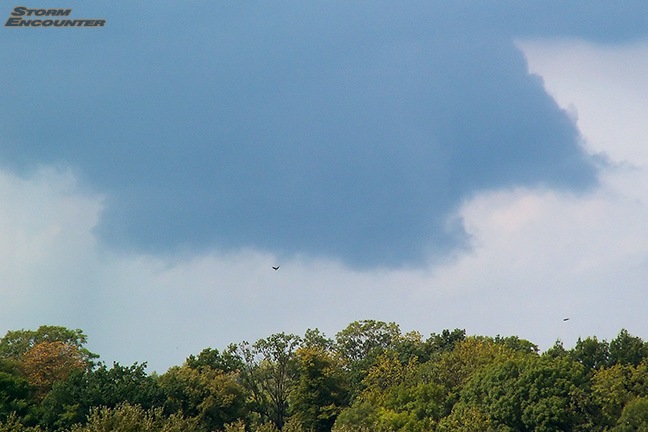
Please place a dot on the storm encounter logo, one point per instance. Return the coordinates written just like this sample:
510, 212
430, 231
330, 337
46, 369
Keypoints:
21, 16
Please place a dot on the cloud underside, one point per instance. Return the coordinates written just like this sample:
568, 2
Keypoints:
357, 141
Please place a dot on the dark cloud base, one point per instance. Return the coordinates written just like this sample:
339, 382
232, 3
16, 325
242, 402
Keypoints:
350, 132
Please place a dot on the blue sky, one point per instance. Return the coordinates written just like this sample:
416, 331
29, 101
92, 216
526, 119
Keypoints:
158, 166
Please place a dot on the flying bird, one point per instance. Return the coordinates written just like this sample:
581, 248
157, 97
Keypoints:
275, 268
565, 319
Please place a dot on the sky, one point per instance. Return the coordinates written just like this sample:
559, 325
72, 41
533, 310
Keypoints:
440, 165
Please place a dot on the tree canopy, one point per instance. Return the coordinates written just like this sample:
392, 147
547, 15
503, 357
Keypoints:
369, 377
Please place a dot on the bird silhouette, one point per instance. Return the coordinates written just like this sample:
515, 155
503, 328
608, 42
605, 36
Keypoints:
275, 268
565, 319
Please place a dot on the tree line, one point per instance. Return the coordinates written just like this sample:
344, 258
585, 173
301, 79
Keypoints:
369, 377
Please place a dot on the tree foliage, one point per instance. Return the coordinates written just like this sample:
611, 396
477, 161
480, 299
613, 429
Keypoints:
626, 349
371, 377
14, 395
269, 372
530, 393
46, 363
70, 401
321, 390
210, 396
16, 343
131, 418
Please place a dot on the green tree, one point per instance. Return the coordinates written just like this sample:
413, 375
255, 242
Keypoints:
516, 344
15, 343
293, 424
469, 419
70, 401
626, 349
395, 397
321, 391
446, 340
452, 369
366, 339
591, 353
411, 346
360, 344
210, 396
361, 416
237, 426
531, 394
133, 418
267, 427
268, 374
634, 417
314, 338
227, 361
14, 395
13, 424
614, 387
557, 350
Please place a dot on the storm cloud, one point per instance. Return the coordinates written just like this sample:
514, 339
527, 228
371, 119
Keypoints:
352, 131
